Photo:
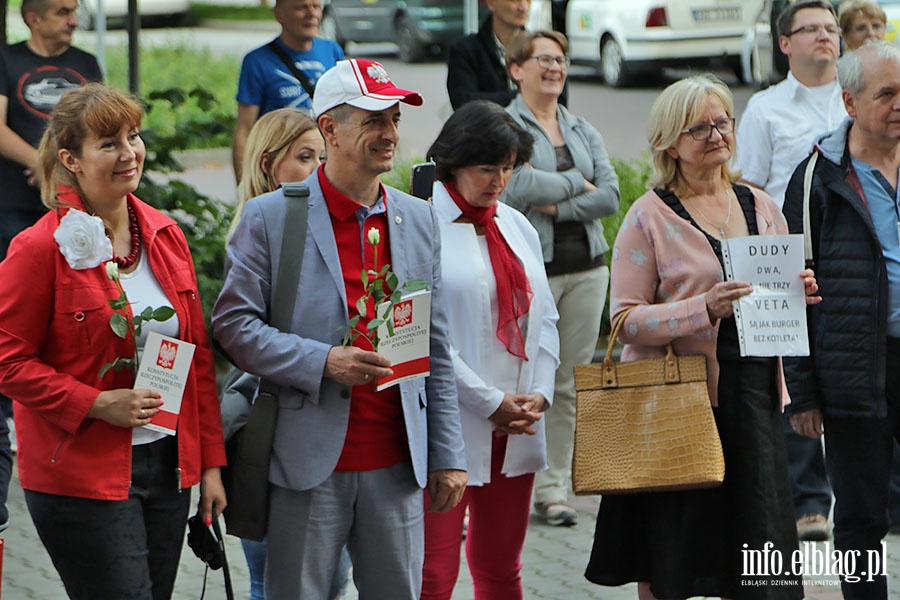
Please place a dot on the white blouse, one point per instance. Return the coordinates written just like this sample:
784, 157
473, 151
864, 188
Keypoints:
484, 369
143, 290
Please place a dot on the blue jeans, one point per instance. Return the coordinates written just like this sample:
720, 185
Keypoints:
255, 553
119, 548
806, 469
6, 462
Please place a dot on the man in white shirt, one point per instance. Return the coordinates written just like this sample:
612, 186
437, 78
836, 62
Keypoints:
780, 124
777, 131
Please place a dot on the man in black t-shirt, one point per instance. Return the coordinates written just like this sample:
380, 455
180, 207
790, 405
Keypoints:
34, 74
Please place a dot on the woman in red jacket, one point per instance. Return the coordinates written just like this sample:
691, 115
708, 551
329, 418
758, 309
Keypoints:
108, 496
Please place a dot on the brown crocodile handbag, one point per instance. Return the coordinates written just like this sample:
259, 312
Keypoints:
644, 425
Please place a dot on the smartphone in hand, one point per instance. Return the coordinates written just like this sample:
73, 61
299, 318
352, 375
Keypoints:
422, 180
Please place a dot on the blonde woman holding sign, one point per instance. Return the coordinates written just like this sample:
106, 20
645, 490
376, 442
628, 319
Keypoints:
667, 266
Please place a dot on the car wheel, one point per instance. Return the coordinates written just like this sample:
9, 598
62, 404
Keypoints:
613, 69
185, 19
410, 50
329, 30
734, 63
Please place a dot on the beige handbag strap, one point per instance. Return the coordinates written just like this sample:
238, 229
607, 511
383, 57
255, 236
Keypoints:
807, 188
610, 378
614, 335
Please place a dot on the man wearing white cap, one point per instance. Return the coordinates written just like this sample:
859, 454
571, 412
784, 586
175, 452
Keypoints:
348, 462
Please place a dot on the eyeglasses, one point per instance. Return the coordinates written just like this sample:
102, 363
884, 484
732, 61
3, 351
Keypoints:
703, 131
832, 30
546, 61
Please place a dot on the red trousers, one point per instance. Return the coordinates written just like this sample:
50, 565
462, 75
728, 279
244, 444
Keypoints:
498, 519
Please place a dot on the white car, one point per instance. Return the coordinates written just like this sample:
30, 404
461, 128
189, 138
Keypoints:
624, 37
176, 11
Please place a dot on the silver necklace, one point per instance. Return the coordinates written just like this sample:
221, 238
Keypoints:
721, 227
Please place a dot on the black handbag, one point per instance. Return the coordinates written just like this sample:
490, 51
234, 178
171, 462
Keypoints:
246, 478
209, 546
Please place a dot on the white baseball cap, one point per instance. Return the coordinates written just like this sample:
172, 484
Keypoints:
361, 83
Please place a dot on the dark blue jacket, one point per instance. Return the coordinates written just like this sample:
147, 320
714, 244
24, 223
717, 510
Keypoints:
845, 372
474, 71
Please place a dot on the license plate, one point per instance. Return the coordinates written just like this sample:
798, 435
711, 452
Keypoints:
717, 13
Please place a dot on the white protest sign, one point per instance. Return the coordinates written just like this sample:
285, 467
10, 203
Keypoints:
771, 321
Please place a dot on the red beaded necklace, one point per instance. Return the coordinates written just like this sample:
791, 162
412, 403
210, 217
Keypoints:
125, 262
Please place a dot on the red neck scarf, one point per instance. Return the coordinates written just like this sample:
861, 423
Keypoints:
513, 289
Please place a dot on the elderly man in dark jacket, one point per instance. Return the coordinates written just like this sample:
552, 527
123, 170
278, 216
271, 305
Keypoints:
849, 386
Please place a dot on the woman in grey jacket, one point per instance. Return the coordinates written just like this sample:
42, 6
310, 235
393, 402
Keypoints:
565, 190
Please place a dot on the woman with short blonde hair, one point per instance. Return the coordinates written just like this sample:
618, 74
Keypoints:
667, 272
681, 103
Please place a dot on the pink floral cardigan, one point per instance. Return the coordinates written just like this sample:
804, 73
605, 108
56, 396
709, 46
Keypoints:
664, 265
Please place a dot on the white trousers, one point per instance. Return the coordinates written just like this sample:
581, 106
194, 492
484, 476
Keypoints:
580, 298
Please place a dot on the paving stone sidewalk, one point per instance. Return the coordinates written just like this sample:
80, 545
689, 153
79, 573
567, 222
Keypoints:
554, 561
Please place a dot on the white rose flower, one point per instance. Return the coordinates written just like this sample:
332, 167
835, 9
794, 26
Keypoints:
112, 270
82, 240
374, 236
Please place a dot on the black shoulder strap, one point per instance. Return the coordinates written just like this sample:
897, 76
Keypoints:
744, 194
747, 201
300, 75
667, 196
292, 243
255, 446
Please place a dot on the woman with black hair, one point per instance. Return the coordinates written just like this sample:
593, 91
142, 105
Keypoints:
504, 346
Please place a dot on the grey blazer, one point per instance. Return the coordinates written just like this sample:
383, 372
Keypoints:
314, 411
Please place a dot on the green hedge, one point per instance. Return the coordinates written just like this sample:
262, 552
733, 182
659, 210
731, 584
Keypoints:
205, 117
225, 12
204, 220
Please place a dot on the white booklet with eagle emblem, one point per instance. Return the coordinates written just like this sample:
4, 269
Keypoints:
408, 348
164, 369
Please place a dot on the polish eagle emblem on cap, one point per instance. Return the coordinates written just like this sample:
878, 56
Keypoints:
378, 73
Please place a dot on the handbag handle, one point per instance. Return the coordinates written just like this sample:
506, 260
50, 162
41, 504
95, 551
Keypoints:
807, 188
610, 377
